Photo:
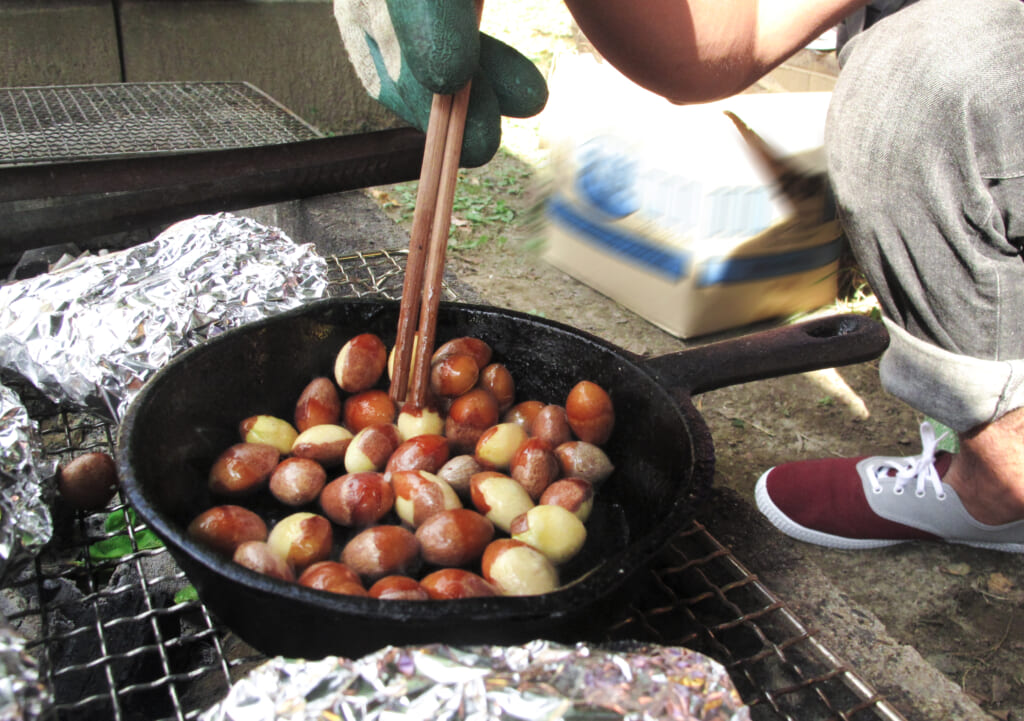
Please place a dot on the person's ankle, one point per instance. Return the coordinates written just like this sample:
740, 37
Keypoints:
988, 472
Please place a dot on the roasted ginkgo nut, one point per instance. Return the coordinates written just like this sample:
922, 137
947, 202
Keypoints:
319, 403
589, 410
413, 421
497, 379
420, 494
584, 460
360, 363
453, 375
399, 588
420, 453
454, 537
368, 408
325, 443
497, 445
499, 497
518, 569
357, 499
458, 471
480, 350
573, 494
332, 576
297, 481
371, 448
554, 531
524, 414
381, 551
468, 417
271, 430
451, 583
224, 528
258, 556
88, 481
302, 539
243, 468
551, 424
534, 466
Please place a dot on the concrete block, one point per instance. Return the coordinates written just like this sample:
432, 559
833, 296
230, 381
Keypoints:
290, 49
58, 42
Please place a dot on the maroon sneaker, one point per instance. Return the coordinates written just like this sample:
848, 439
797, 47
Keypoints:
855, 503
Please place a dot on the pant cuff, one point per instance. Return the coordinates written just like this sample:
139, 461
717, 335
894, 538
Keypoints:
959, 391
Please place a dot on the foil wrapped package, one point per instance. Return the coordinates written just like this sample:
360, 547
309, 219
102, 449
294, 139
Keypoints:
22, 696
92, 332
541, 680
25, 521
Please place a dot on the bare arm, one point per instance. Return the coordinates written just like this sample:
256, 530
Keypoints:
699, 50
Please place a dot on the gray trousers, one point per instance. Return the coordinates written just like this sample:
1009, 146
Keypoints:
925, 143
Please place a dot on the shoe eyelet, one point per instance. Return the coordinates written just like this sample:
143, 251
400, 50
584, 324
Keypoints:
941, 496
898, 491
878, 490
919, 495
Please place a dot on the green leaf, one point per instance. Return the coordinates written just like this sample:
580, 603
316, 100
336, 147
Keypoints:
120, 545
118, 521
186, 594
110, 548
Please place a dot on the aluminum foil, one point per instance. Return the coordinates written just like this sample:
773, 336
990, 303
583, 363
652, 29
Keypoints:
541, 680
25, 525
22, 696
25, 522
92, 332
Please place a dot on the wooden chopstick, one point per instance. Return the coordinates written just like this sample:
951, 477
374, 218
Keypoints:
434, 274
428, 242
419, 240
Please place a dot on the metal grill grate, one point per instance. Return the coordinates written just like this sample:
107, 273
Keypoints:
88, 122
175, 660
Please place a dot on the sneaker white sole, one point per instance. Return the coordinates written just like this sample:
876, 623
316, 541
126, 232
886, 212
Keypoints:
793, 529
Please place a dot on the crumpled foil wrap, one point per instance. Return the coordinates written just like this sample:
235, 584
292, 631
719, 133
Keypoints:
22, 695
25, 522
540, 680
92, 332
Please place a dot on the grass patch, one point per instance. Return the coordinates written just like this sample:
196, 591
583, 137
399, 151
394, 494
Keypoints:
490, 203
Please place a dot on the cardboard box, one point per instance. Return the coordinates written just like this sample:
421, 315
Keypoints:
699, 218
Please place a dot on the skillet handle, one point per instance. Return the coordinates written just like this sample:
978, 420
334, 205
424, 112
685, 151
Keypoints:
825, 342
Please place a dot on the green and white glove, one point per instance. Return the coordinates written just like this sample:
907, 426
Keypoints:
404, 51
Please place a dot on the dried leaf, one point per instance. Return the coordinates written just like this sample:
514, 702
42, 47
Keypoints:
956, 569
999, 584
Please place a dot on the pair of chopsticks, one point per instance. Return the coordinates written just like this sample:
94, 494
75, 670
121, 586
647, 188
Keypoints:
424, 271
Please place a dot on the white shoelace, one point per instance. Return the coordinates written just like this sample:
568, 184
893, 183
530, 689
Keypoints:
920, 469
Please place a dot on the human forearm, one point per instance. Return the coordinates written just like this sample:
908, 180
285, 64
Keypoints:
698, 50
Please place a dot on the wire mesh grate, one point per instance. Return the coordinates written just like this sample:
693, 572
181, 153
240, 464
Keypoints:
116, 639
88, 122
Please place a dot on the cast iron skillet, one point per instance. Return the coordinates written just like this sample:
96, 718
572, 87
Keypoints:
190, 410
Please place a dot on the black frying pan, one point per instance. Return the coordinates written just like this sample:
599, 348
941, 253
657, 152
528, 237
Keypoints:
189, 412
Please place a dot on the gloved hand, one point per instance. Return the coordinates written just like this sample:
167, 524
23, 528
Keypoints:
404, 51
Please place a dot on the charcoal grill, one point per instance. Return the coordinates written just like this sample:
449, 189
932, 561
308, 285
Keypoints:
698, 594
84, 161
51, 124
